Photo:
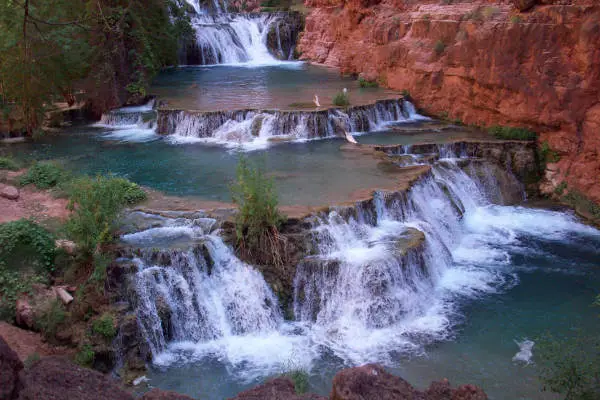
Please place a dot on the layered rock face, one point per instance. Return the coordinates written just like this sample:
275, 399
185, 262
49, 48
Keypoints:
483, 62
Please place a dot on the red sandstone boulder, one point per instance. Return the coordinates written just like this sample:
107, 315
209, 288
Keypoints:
275, 389
372, 382
9, 192
57, 378
10, 366
157, 394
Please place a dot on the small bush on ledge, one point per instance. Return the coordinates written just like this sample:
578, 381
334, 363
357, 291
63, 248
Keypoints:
511, 133
258, 220
439, 47
341, 99
367, 84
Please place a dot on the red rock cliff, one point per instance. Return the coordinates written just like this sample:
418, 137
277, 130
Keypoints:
483, 62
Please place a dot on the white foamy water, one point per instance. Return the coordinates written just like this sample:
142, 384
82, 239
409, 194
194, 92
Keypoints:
364, 297
525, 351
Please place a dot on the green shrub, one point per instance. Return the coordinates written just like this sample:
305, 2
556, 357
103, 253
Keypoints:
44, 175
570, 365
300, 379
341, 99
24, 243
511, 133
258, 220
104, 326
85, 357
367, 84
51, 319
8, 163
560, 189
96, 203
439, 47
515, 19
11, 286
547, 154
582, 204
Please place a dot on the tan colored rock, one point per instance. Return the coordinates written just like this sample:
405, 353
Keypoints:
9, 192
63, 295
67, 245
24, 314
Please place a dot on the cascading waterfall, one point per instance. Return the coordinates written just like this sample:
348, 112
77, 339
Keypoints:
135, 123
230, 39
386, 276
257, 128
224, 38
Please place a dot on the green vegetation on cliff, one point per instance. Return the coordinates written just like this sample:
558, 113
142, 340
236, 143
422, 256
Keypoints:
102, 52
512, 133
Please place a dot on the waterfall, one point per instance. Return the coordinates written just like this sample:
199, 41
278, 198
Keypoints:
134, 123
385, 276
230, 39
255, 128
249, 39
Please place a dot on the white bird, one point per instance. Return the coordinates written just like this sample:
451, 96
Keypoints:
316, 101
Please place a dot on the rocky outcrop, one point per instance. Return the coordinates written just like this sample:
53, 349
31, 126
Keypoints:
372, 382
483, 62
157, 394
283, 35
58, 378
10, 366
276, 389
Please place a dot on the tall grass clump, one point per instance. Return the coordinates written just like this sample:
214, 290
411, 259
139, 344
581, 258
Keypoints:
511, 133
364, 83
96, 203
258, 219
341, 99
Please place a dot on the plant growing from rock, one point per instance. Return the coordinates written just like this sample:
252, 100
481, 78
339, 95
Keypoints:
258, 219
96, 203
104, 326
512, 133
364, 83
24, 243
439, 47
341, 99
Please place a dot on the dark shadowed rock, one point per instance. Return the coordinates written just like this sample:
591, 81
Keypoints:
10, 366
276, 389
58, 378
524, 5
372, 382
157, 394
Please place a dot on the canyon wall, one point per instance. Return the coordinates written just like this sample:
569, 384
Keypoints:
481, 62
